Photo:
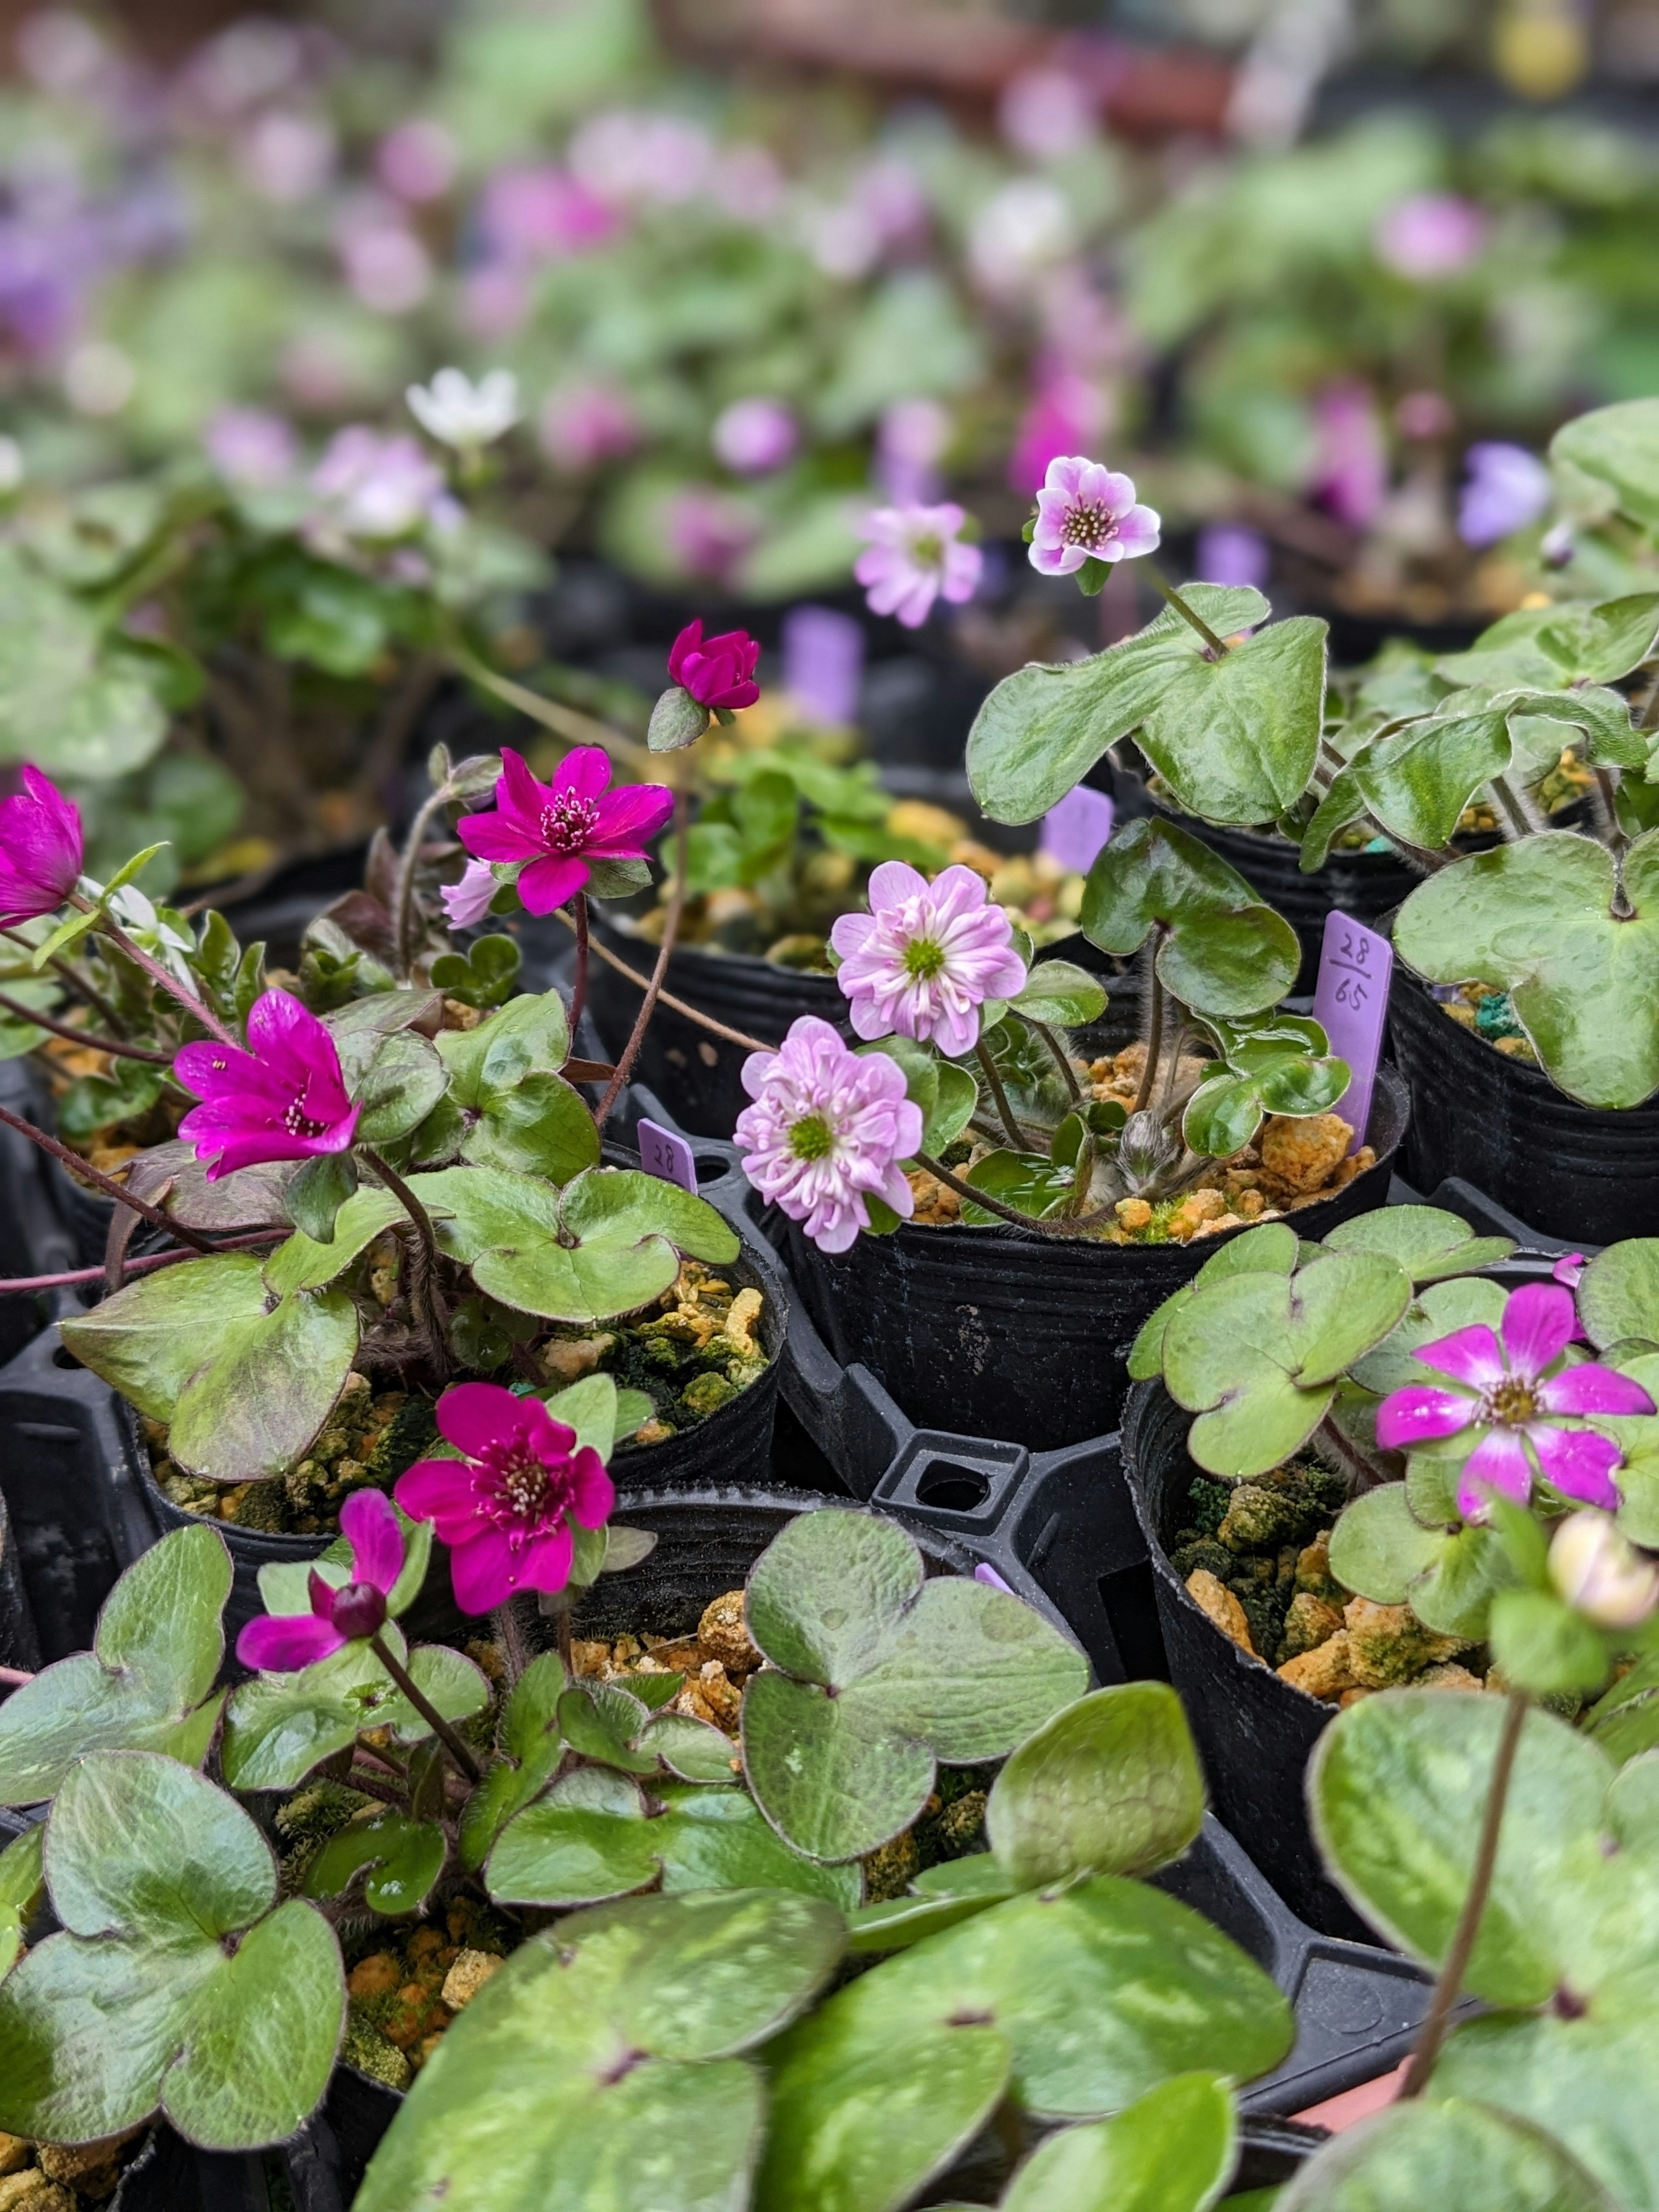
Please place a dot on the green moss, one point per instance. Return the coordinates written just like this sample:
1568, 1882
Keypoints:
1207, 1503
368, 2050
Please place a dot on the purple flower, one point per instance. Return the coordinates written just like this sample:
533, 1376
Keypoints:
1087, 512
1351, 461
753, 436
542, 214
926, 955
1515, 1396
40, 848
374, 487
558, 829
250, 447
718, 671
505, 1510
1506, 489
1233, 553
914, 556
1431, 234
284, 1099
468, 901
826, 1131
280, 1643
823, 663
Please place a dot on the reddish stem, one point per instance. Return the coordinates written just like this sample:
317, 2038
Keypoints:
107, 1184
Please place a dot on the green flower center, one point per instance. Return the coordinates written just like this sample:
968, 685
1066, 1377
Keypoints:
1512, 1401
927, 551
811, 1138
924, 957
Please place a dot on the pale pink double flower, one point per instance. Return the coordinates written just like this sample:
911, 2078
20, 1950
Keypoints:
826, 1133
926, 957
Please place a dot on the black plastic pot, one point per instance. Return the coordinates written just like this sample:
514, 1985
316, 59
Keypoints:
34, 1237
1254, 1731
1578, 1172
19, 1646
1000, 1331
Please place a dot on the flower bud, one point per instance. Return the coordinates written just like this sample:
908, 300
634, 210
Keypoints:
359, 1610
1600, 1574
1145, 1147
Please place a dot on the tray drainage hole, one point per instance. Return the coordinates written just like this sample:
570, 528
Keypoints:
957, 1489
63, 1357
711, 1166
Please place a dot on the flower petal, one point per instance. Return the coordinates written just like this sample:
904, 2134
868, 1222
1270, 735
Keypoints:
594, 1494
1538, 1324
482, 1572
1498, 1462
370, 1527
1468, 1355
1593, 1388
496, 837
585, 769
1419, 1412
472, 1416
1577, 1462
548, 883
543, 1563
282, 1644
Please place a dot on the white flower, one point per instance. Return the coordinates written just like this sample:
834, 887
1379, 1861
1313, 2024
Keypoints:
459, 413
1600, 1573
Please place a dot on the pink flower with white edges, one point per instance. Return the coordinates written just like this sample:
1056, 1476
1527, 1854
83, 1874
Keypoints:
926, 957
915, 556
826, 1133
469, 901
1087, 511
1518, 1397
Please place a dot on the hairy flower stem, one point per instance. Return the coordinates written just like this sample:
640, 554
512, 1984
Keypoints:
667, 998
107, 1184
1060, 1059
630, 1051
1358, 1470
1450, 1983
424, 1297
196, 1008
1510, 805
1189, 614
1612, 835
1154, 1036
1009, 1126
428, 1712
579, 978
407, 867
93, 1043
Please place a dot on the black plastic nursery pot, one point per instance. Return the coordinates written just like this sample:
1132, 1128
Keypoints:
1002, 1332
1255, 1732
1579, 1172
19, 1645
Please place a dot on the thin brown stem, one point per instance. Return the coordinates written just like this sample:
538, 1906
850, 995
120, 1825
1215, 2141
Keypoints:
197, 1008
16, 1677
145, 1264
1010, 1128
667, 998
1189, 614
99, 1181
378, 1786
459, 1752
1447, 1989
80, 984
406, 872
562, 1633
1154, 1036
670, 930
424, 1297
579, 981
566, 722
93, 1043
1062, 1057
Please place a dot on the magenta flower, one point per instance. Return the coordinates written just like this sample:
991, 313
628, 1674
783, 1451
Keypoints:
284, 1099
1086, 512
1516, 1398
718, 671
826, 1131
40, 848
915, 556
505, 1510
280, 1643
468, 901
1351, 458
1506, 489
558, 829
927, 956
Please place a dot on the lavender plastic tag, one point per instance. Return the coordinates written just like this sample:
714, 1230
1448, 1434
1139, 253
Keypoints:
664, 1154
985, 1572
823, 662
1350, 1005
1074, 831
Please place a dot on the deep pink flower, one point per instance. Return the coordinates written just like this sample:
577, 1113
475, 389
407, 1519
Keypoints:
468, 901
505, 1510
826, 1131
280, 1643
718, 671
1063, 410
1086, 512
558, 829
926, 955
1351, 458
1514, 1395
915, 556
284, 1099
40, 850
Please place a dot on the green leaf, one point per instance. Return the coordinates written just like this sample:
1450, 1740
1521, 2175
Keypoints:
1412, 2155
139, 2005
530, 1749
1542, 1646
1061, 995
404, 1858
278, 1727
1024, 1179
21, 1878
315, 1194
146, 1685
540, 1127
147, 1341
1110, 1785
606, 2051
1588, 2080
1222, 1116
1220, 949
1536, 919
938, 1897
677, 720
1435, 1312
1618, 1293
1379, 1547
1427, 1243
564, 1855
403, 1083
1172, 2150
271, 1383
304, 1263
1617, 448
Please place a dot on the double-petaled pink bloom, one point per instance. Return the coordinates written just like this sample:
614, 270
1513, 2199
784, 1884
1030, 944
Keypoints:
826, 1133
916, 555
926, 957
284, 1098
718, 671
1517, 1398
280, 1643
40, 850
557, 829
1086, 512
505, 1510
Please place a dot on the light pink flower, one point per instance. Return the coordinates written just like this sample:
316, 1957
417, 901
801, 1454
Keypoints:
1086, 512
372, 488
826, 1133
251, 448
1514, 1395
926, 957
752, 436
417, 159
915, 555
541, 213
707, 532
1431, 234
583, 424
468, 901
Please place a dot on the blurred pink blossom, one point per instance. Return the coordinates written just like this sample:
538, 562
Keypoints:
910, 441
582, 424
385, 264
633, 155
1431, 234
542, 214
251, 448
494, 302
1351, 459
747, 183
1425, 414
1066, 414
287, 157
752, 436
706, 530
916, 555
372, 487
418, 161
1044, 112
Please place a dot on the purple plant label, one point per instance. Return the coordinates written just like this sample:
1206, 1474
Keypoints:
1074, 831
985, 1572
662, 1153
1350, 1005
823, 662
